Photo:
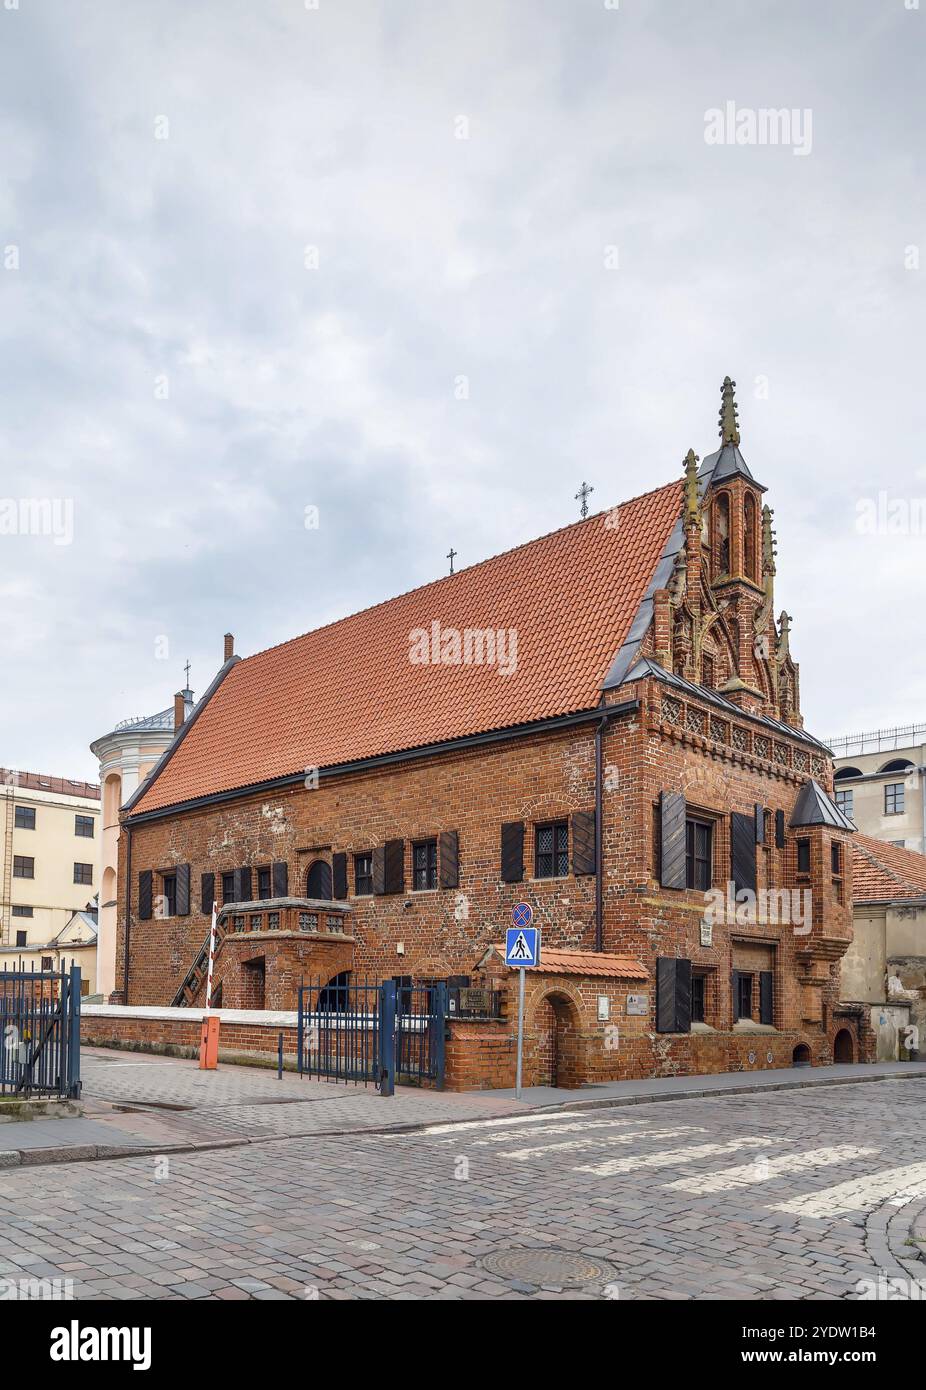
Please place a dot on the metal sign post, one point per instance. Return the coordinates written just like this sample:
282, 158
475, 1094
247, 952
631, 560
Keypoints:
522, 952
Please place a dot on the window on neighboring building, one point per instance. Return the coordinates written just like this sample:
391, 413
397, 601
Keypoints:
83, 873
24, 818
20, 911
83, 826
23, 866
228, 888
699, 841
424, 865
20, 938
698, 996
845, 801
893, 799
169, 892
803, 856
743, 996
363, 874
263, 883
551, 850
47, 962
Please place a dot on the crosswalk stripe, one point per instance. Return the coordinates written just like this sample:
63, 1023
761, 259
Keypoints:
577, 1144
507, 1137
508, 1120
859, 1193
759, 1170
669, 1157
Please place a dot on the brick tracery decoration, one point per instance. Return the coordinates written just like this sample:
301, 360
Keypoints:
671, 710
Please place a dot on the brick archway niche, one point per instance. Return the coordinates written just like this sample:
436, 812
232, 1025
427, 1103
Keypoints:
556, 1048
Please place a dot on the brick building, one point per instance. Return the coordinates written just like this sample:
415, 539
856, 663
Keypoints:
604, 723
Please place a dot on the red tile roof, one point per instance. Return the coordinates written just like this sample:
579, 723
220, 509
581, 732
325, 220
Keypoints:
882, 872
597, 963
350, 691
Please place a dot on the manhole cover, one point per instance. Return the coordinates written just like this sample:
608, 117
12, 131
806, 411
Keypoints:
560, 1267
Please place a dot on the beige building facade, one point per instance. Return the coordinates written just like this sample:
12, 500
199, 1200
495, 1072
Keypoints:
49, 851
880, 784
127, 754
885, 965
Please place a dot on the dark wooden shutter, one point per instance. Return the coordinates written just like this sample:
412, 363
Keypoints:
379, 869
672, 834
583, 842
243, 885
183, 890
780, 829
737, 974
742, 851
144, 895
683, 996
280, 879
394, 866
673, 995
760, 824
512, 851
766, 997
207, 893
449, 859
339, 872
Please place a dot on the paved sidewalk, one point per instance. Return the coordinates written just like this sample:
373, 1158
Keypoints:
725, 1083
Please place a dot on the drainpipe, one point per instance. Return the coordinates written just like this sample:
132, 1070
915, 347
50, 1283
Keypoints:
599, 837
128, 913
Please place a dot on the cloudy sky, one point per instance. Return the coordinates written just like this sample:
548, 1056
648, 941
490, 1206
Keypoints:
426, 267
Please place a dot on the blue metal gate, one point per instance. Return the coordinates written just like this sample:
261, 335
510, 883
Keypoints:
376, 1033
40, 1032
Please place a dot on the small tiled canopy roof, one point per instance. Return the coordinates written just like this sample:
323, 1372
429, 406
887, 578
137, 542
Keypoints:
882, 872
349, 691
597, 963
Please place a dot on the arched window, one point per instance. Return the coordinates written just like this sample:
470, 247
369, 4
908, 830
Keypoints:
749, 537
318, 880
112, 799
847, 772
897, 765
722, 536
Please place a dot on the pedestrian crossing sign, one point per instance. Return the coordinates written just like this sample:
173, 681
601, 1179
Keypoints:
522, 947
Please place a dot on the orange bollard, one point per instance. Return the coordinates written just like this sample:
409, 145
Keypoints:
209, 1044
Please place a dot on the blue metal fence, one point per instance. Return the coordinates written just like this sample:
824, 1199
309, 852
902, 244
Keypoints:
376, 1033
40, 1032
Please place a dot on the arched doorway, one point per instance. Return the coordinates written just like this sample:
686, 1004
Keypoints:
800, 1057
843, 1047
318, 880
556, 1042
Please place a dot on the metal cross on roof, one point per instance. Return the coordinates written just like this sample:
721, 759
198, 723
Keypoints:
187, 672
582, 496
451, 555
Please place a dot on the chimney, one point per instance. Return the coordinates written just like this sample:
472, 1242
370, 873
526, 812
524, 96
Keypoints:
179, 704
229, 646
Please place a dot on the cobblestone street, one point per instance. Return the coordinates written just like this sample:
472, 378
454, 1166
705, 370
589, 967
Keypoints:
798, 1194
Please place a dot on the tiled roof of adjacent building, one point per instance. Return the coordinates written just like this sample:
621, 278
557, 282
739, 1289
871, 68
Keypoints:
40, 782
349, 691
591, 963
882, 872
